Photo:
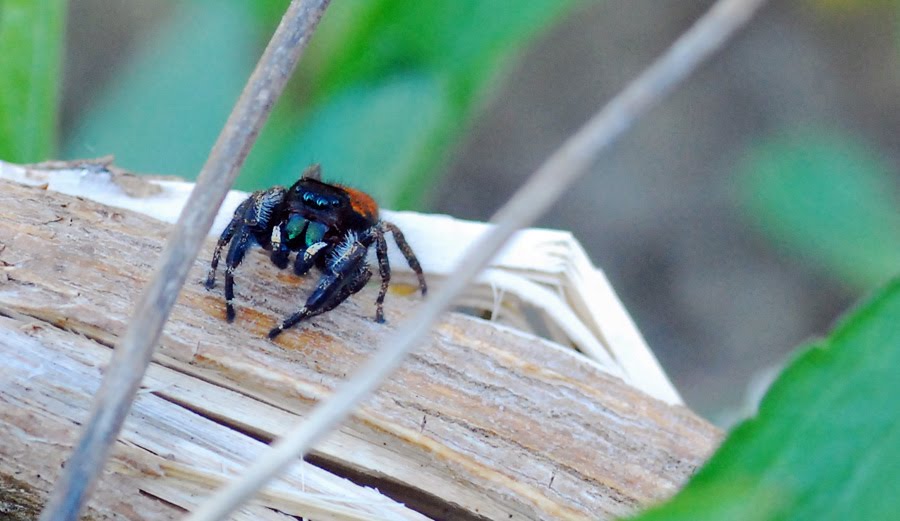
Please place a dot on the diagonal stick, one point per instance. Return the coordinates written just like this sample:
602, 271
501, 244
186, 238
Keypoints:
132, 356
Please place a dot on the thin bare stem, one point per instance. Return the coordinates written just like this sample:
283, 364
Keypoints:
543, 188
132, 356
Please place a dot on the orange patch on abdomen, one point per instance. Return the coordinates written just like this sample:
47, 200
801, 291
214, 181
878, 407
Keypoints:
362, 203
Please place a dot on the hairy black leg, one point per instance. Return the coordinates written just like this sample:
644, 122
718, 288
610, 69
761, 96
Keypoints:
265, 206
384, 269
253, 222
408, 253
345, 274
307, 258
239, 247
224, 239
353, 285
345, 260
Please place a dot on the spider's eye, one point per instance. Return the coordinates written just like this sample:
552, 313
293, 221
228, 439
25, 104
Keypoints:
307, 197
335, 203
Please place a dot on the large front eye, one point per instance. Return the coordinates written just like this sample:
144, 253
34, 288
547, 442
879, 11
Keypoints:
320, 202
316, 201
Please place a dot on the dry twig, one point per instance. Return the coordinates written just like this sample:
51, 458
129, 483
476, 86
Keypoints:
133, 354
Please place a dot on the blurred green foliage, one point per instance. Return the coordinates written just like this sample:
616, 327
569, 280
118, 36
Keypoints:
829, 199
162, 111
826, 442
31, 34
386, 88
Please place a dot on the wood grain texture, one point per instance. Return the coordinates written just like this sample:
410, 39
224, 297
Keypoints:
481, 422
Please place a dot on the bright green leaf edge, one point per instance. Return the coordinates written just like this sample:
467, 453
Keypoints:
825, 444
31, 40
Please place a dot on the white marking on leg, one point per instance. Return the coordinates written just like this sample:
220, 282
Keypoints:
344, 248
312, 250
276, 237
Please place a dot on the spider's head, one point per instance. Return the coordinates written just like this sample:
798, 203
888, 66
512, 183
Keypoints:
335, 206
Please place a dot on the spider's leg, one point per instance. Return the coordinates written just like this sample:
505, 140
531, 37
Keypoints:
265, 206
354, 284
224, 239
307, 258
239, 247
384, 269
345, 274
263, 218
357, 282
408, 253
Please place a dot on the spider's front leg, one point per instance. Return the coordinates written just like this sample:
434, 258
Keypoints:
253, 222
237, 220
345, 273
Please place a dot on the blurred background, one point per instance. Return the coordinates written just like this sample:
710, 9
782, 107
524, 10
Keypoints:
738, 220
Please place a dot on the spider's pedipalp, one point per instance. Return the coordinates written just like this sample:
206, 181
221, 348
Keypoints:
308, 258
280, 251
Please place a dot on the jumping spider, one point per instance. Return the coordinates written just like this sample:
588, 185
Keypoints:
329, 226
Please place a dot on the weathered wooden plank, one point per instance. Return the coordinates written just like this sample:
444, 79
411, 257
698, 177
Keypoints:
166, 456
481, 419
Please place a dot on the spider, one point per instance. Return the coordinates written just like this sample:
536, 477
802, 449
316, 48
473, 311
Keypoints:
329, 226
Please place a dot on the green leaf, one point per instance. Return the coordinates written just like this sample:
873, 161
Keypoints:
463, 39
163, 111
830, 199
31, 39
416, 71
826, 442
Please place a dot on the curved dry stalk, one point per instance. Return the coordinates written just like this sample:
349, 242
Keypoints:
543, 188
132, 355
